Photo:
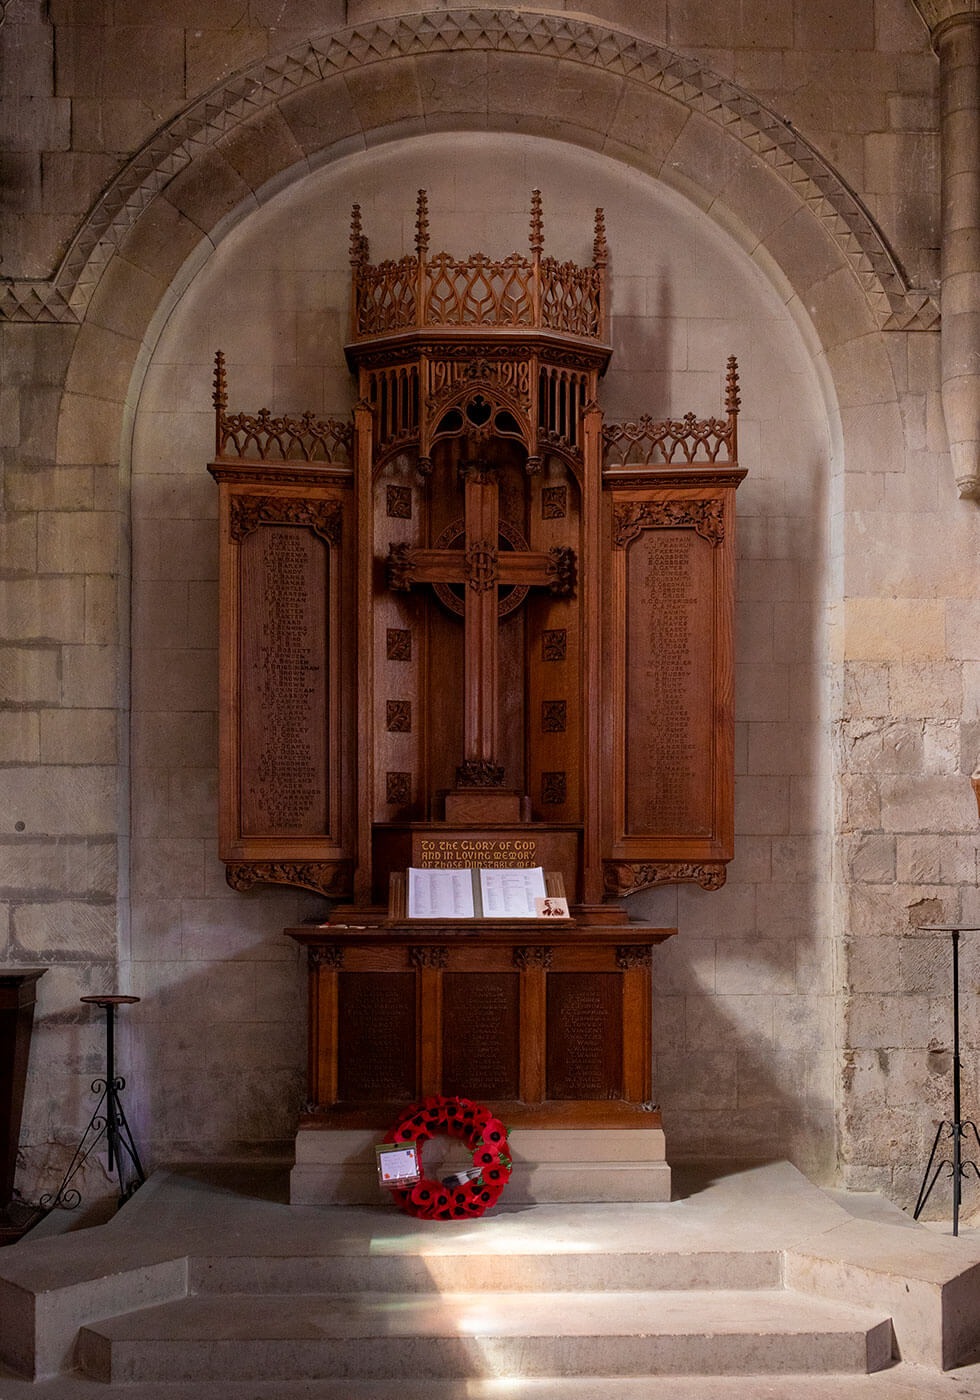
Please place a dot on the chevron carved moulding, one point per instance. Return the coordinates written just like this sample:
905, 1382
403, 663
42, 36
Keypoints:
65, 296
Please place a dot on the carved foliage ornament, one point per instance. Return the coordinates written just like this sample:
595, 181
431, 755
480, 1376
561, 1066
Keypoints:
328, 879
553, 644
706, 517
332, 957
634, 955
626, 877
428, 957
533, 956
561, 571
249, 512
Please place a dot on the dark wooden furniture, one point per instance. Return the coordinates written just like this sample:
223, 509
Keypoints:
476, 625
550, 1021
18, 994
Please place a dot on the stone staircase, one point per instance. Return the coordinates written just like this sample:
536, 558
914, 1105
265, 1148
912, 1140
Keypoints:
751, 1283
416, 1314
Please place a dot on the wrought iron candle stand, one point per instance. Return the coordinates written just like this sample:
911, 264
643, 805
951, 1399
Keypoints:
108, 1121
958, 1127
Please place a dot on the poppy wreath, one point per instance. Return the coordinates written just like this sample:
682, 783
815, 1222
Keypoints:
484, 1135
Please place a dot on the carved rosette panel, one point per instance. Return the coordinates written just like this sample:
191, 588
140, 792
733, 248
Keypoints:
428, 957
399, 502
398, 789
533, 956
554, 789
247, 513
553, 644
553, 716
553, 502
634, 955
706, 517
332, 958
325, 878
398, 644
398, 716
626, 877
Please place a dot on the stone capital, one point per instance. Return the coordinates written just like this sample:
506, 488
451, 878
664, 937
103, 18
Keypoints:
940, 14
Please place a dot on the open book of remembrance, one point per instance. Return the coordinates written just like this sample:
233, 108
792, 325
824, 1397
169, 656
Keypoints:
474, 894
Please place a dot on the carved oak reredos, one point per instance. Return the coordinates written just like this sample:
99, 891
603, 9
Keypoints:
477, 606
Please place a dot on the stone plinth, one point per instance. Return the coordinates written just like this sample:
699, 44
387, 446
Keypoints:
551, 1166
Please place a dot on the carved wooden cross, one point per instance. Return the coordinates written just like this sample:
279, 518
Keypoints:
483, 568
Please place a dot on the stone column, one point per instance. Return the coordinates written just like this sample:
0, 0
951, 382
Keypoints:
954, 26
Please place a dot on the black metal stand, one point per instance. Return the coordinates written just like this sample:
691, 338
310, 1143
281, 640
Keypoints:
108, 1121
958, 1127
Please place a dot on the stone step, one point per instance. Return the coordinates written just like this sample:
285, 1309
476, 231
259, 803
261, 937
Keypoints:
412, 1270
378, 1335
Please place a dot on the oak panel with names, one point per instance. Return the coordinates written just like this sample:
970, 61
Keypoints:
376, 1056
284, 682
584, 1033
480, 1034
669, 693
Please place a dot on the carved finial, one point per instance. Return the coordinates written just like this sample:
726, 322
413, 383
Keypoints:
422, 224
732, 402
600, 248
220, 399
358, 243
537, 222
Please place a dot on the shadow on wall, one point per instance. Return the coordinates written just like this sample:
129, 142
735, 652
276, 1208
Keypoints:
744, 1006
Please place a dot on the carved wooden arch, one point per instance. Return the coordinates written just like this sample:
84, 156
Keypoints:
215, 118
498, 401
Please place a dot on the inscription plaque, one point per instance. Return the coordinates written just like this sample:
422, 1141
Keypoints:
480, 1030
284, 694
584, 1035
376, 1033
669, 689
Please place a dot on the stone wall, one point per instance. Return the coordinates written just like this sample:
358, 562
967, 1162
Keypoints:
792, 1017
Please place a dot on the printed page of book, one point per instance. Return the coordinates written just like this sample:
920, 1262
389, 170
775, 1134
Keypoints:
510, 894
440, 894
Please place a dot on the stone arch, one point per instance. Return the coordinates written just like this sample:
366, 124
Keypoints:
623, 75
551, 75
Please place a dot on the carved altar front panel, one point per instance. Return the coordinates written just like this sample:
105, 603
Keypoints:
551, 1025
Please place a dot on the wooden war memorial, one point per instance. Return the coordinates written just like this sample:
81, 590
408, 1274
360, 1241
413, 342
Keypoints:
477, 625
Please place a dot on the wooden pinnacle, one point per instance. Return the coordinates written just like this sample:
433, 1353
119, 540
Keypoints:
537, 222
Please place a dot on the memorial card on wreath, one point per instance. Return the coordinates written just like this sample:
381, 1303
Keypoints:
468, 894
